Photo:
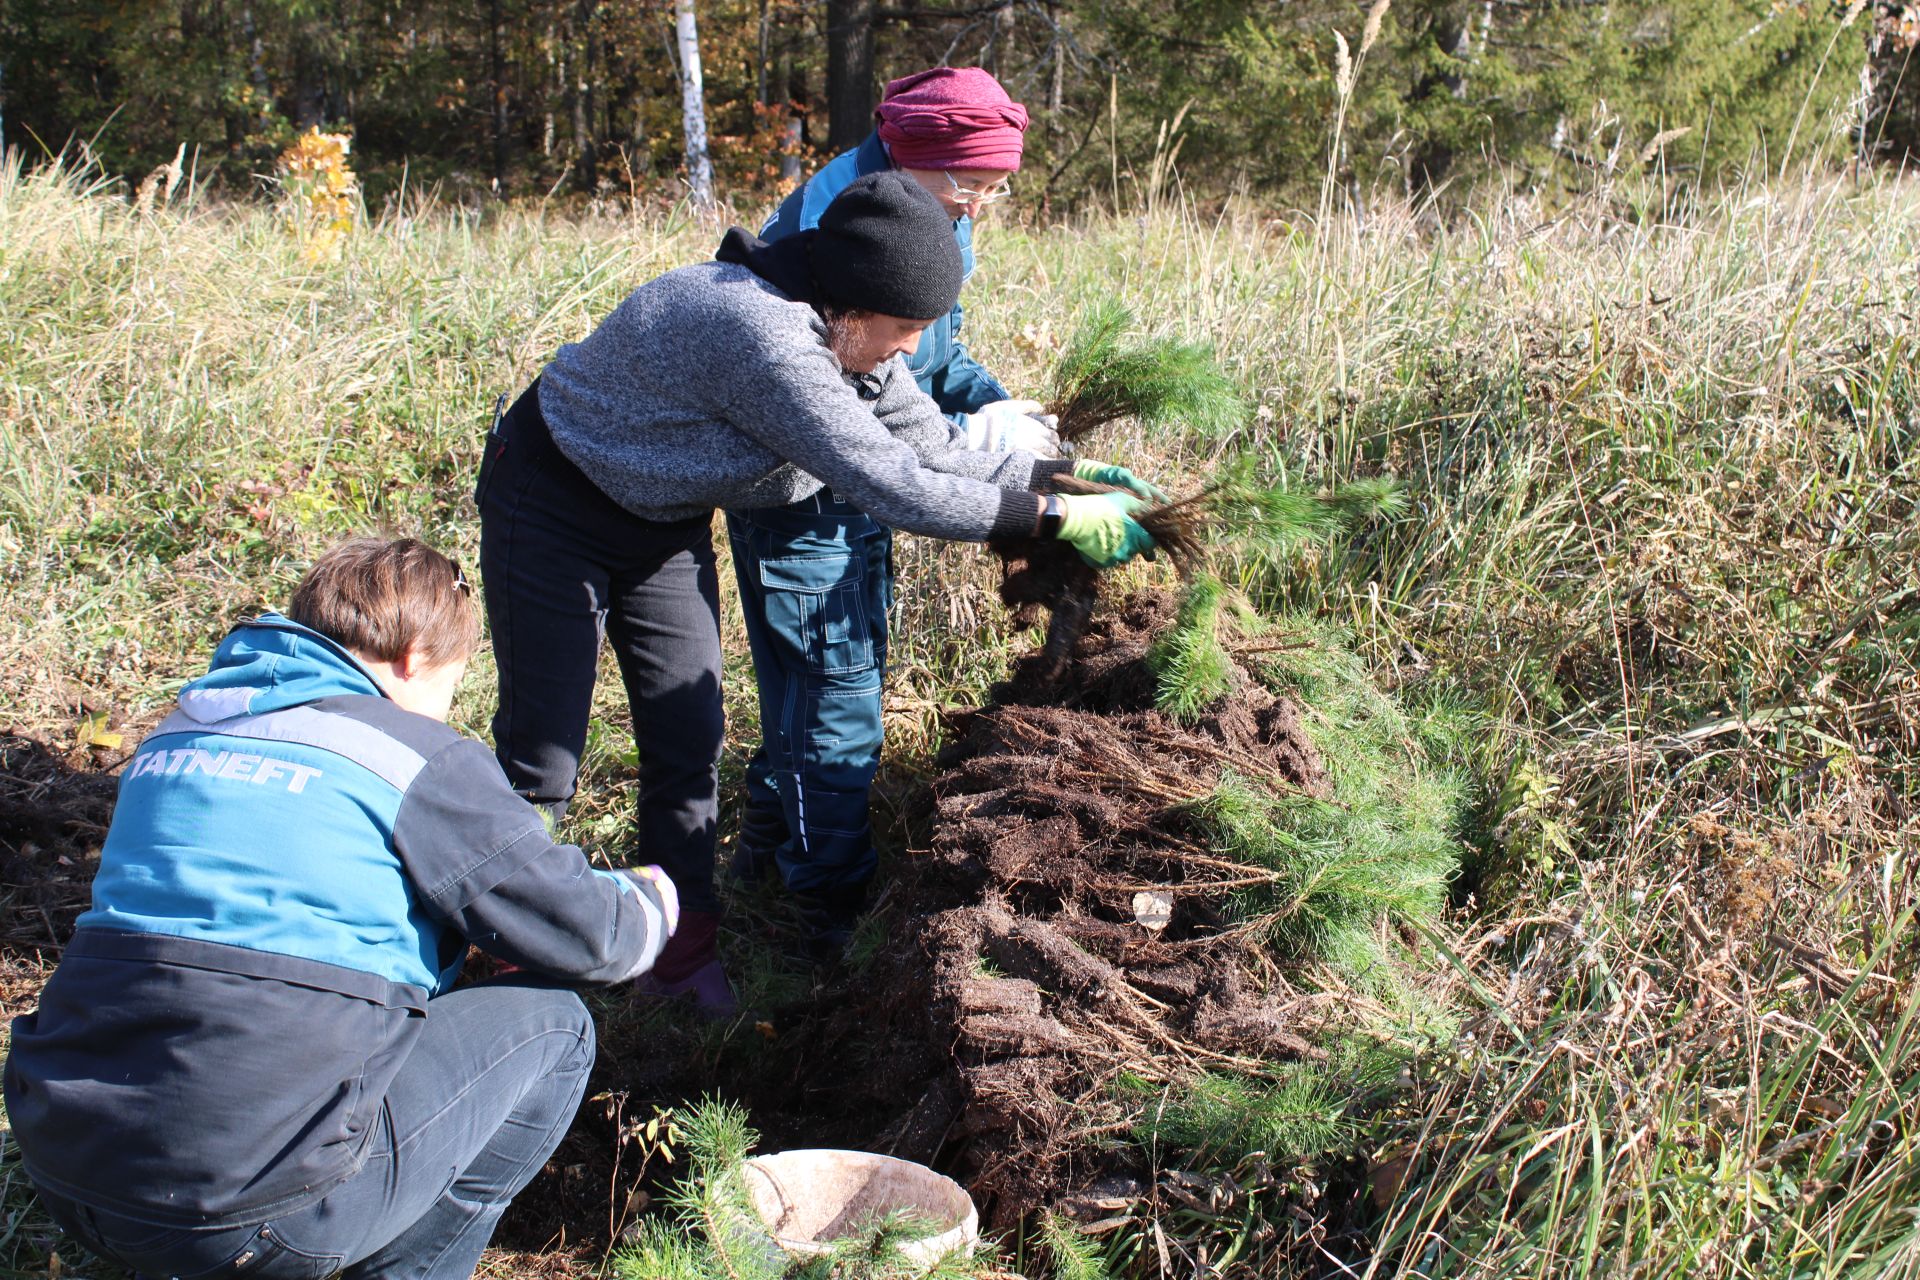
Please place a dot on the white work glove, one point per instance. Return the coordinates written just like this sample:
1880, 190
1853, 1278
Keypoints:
653, 874
1006, 425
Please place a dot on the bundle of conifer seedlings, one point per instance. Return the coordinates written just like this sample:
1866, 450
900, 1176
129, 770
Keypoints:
1104, 377
1101, 378
1144, 878
1153, 942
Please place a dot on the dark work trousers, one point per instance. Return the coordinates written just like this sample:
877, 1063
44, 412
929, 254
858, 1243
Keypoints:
480, 1103
816, 582
565, 566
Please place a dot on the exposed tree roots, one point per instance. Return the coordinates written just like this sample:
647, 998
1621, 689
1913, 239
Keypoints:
1021, 986
1047, 575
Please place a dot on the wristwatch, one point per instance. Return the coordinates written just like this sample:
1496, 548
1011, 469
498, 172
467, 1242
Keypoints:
1053, 514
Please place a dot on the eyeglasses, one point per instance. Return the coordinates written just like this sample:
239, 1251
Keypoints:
460, 583
967, 195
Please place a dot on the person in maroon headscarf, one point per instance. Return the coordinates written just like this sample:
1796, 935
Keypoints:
816, 578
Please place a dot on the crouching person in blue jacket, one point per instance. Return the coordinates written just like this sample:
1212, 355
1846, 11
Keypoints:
251, 1060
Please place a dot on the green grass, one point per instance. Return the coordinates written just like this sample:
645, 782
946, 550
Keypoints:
1653, 590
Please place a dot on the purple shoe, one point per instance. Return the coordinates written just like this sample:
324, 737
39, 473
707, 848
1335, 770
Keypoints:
707, 987
689, 967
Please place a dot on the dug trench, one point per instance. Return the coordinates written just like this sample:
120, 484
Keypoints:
1017, 1004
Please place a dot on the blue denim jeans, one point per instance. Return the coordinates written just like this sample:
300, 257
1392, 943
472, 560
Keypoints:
816, 581
481, 1102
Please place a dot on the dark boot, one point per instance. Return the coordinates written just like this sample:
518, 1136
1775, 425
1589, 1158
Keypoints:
689, 967
763, 827
757, 845
753, 860
828, 917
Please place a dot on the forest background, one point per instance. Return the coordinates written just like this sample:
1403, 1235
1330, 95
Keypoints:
550, 97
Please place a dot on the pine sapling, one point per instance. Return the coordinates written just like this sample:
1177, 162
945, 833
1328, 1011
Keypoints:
1073, 1255
880, 1252
712, 1239
715, 1234
1103, 377
1237, 510
1191, 665
1229, 1121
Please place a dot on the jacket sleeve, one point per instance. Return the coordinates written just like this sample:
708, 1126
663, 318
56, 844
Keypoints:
480, 858
799, 407
911, 417
963, 383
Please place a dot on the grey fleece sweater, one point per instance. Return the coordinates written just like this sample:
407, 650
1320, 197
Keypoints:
708, 387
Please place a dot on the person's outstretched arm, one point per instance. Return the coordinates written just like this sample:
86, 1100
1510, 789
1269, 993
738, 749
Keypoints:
913, 418
799, 407
481, 860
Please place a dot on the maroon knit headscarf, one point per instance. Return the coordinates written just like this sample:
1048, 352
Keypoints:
951, 118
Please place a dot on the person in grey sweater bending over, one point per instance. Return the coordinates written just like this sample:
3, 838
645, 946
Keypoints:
755, 380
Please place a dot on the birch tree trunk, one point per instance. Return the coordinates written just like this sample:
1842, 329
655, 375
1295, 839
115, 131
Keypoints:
555, 89
693, 105
1057, 81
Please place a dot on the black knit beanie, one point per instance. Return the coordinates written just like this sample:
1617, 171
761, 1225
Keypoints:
886, 245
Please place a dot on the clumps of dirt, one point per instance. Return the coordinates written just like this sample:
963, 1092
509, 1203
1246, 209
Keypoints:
54, 812
1023, 961
1045, 575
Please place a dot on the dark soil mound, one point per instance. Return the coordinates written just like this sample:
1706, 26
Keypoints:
54, 810
1022, 985
1045, 575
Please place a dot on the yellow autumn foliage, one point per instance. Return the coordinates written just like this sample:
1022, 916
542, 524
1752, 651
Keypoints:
319, 193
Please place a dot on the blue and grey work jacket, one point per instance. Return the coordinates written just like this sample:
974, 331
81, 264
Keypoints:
295, 868
941, 364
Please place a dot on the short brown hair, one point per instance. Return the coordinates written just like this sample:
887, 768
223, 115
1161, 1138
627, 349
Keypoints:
383, 599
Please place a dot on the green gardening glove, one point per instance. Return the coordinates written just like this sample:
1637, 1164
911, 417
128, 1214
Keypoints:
1119, 477
1101, 527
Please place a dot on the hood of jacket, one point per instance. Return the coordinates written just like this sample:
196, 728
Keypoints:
786, 265
783, 263
271, 663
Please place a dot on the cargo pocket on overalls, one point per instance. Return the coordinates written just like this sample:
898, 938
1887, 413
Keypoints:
815, 603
